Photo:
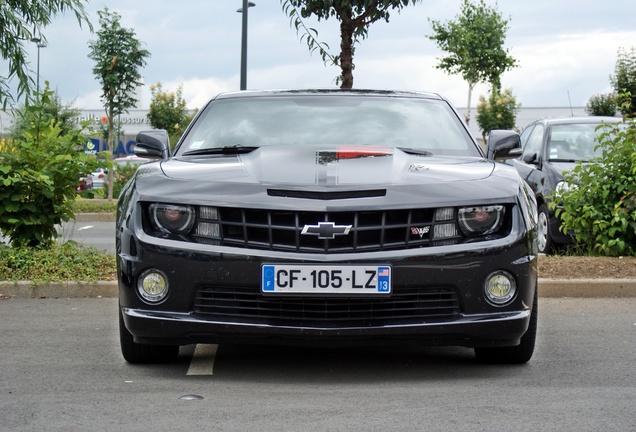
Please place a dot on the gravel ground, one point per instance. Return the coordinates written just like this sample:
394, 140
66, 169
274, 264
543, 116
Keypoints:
575, 267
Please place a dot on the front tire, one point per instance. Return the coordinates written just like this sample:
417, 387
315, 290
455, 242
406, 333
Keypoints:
134, 352
544, 240
519, 354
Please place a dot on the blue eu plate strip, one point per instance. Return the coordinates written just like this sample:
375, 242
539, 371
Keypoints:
268, 278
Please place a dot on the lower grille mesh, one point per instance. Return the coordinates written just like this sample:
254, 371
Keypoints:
247, 306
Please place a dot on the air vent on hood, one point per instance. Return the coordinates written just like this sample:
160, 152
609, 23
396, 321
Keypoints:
333, 195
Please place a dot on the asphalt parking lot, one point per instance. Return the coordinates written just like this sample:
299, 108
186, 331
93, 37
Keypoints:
62, 371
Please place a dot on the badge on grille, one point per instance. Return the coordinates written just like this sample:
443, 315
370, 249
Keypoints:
326, 230
420, 231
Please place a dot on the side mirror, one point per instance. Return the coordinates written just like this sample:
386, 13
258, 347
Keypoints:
503, 144
153, 144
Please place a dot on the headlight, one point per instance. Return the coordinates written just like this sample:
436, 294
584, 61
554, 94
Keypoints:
172, 219
482, 220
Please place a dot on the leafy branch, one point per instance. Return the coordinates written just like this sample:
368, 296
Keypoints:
310, 35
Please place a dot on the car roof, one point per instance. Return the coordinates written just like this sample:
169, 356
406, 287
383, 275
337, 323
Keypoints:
578, 119
326, 92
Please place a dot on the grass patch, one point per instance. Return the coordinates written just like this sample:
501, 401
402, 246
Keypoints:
66, 262
82, 205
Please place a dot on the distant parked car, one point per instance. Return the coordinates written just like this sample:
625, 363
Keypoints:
84, 184
551, 147
100, 175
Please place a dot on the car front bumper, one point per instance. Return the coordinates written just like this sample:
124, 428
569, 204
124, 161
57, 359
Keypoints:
478, 330
457, 269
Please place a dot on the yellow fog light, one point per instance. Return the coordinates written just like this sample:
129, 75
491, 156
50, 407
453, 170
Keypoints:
152, 286
500, 288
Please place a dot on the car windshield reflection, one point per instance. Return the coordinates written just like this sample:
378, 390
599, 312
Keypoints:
423, 126
573, 142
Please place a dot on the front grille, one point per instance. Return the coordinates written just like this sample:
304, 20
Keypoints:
281, 230
247, 306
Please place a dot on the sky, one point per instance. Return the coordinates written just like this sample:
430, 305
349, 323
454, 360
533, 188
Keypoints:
566, 50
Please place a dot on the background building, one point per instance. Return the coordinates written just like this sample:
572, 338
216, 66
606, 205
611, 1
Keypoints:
136, 120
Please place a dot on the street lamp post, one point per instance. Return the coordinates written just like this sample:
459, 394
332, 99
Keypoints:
38, 42
243, 11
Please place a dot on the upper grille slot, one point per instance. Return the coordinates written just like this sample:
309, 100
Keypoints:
327, 195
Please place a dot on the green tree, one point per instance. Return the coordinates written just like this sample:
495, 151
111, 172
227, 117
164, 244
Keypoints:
118, 56
168, 111
38, 171
355, 17
474, 44
601, 105
499, 111
102, 129
22, 21
624, 81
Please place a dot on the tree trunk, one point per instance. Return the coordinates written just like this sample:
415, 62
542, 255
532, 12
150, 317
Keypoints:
111, 146
470, 93
346, 53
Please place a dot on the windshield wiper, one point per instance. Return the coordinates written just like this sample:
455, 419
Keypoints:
565, 160
415, 151
234, 149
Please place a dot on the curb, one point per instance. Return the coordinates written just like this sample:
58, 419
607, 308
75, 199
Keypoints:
95, 217
28, 289
548, 288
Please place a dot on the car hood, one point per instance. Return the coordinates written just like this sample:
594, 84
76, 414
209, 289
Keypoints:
563, 167
342, 166
331, 177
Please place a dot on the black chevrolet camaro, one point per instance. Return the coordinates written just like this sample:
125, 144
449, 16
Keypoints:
327, 217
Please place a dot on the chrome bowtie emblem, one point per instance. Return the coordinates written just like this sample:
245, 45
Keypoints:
326, 230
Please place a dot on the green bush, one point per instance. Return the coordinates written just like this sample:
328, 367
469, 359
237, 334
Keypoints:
38, 171
64, 116
122, 174
498, 112
601, 105
601, 210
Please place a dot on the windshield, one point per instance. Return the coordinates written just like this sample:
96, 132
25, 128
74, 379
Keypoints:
419, 125
573, 142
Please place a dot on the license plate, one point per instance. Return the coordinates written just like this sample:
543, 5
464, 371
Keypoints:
326, 279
